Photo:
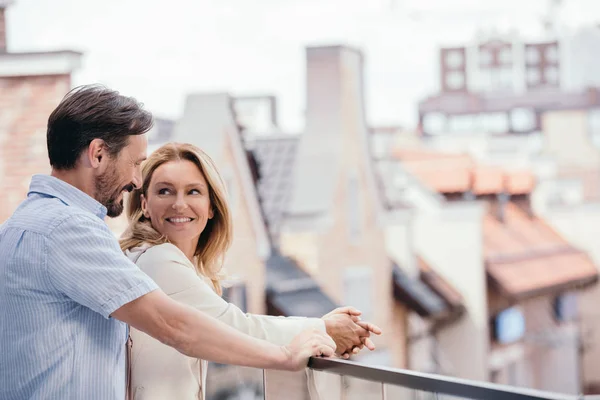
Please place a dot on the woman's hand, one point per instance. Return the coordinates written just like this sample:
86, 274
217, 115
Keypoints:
347, 330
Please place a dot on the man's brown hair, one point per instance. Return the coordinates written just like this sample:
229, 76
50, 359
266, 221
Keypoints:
93, 112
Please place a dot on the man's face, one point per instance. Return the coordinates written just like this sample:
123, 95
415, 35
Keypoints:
124, 173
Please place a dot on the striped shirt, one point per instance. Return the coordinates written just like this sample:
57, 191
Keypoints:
62, 274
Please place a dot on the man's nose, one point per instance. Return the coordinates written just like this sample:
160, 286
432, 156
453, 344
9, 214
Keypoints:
137, 179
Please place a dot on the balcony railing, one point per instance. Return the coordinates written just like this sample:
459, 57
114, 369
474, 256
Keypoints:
334, 379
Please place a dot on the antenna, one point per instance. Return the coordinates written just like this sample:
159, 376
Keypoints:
551, 19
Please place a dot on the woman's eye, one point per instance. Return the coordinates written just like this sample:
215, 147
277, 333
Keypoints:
163, 191
194, 191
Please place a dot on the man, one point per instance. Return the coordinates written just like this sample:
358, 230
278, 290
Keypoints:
66, 290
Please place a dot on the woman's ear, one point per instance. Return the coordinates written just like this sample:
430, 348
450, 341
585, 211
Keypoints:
144, 205
211, 213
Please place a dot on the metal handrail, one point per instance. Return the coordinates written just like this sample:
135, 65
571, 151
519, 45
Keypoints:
432, 383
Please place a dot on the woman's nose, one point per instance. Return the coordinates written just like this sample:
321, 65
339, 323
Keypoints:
180, 203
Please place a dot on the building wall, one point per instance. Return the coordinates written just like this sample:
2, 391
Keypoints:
25, 104
581, 226
567, 138
552, 349
350, 237
337, 253
450, 239
400, 247
243, 260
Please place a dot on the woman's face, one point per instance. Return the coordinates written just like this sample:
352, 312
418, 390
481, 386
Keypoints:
178, 202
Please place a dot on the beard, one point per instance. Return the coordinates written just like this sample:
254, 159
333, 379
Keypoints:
108, 192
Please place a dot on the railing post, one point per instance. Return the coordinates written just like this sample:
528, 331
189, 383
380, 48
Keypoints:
264, 373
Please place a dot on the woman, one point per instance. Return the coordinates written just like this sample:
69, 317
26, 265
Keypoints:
180, 228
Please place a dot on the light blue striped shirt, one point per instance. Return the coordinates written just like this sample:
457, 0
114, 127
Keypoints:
62, 274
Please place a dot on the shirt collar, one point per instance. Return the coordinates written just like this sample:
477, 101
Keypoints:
67, 193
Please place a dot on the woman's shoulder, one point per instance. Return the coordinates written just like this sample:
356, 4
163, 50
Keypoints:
159, 255
167, 266
161, 251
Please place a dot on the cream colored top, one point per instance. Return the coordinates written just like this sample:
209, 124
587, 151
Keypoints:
161, 372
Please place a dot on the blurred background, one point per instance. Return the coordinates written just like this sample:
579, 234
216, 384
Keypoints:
435, 163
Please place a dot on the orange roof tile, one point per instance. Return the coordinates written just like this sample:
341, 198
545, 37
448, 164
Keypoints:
524, 256
487, 180
520, 182
459, 173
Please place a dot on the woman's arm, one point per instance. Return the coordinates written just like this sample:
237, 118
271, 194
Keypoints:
173, 273
197, 335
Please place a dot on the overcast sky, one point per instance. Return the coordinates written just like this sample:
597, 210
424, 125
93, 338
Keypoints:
161, 50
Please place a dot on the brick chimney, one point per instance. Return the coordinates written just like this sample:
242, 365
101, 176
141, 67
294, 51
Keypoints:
3, 6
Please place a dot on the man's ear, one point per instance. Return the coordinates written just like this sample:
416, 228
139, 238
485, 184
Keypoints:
96, 153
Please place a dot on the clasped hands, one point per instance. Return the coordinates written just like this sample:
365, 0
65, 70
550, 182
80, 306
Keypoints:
348, 331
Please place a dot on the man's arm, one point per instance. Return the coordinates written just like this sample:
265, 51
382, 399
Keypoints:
85, 263
198, 335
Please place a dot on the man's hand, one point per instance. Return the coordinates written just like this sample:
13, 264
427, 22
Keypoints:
310, 343
348, 331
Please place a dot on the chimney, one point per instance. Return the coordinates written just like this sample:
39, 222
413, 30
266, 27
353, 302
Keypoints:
3, 6
502, 200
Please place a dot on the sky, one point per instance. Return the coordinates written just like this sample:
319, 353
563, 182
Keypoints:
160, 51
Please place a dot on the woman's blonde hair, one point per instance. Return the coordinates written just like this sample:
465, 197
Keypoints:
214, 240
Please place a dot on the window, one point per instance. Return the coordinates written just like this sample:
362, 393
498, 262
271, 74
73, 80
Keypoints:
495, 122
455, 80
454, 59
523, 119
509, 326
464, 123
506, 55
565, 307
434, 123
354, 208
485, 57
594, 118
551, 75
358, 290
533, 76
532, 55
551, 54
506, 77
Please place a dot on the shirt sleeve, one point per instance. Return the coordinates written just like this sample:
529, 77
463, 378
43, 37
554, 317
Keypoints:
86, 264
175, 275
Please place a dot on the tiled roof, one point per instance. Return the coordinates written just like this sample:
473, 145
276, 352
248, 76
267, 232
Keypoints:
461, 103
161, 132
418, 296
459, 173
439, 285
292, 292
429, 295
526, 257
275, 157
